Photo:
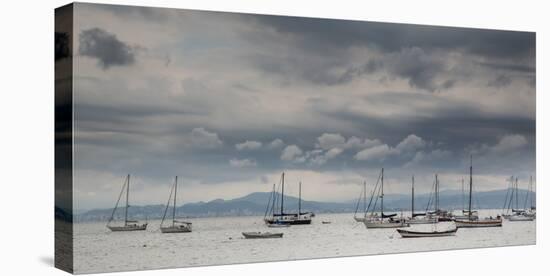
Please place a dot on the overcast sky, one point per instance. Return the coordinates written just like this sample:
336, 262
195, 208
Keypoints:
229, 101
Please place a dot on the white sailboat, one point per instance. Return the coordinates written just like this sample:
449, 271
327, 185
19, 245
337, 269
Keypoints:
176, 226
419, 218
441, 215
470, 222
382, 221
129, 225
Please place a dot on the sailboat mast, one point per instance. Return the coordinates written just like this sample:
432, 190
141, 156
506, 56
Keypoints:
412, 201
175, 194
282, 192
436, 193
531, 190
365, 196
517, 206
300, 198
462, 193
127, 201
470, 197
382, 196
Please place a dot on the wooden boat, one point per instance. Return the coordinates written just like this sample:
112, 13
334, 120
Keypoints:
129, 225
473, 223
286, 218
423, 234
383, 220
262, 235
176, 226
419, 218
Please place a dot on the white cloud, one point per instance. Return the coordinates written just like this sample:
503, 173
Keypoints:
411, 143
202, 138
275, 144
249, 145
375, 153
331, 140
242, 163
292, 153
509, 143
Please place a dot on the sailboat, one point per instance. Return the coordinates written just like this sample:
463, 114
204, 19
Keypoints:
470, 222
521, 214
382, 220
176, 226
419, 218
129, 225
465, 214
289, 218
441, 215
270, 209
363, 198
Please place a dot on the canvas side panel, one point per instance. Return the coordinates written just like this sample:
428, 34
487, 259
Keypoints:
64, 138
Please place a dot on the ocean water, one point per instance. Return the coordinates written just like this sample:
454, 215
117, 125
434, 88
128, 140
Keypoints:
216, 241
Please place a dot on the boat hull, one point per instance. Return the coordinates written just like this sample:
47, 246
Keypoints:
384, 224
423, 221
291, 219
259, 235
520, 218
420, 234
359, 219
177, 229
128, 228
478, 223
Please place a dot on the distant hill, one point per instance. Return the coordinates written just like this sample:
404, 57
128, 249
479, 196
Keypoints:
256, 203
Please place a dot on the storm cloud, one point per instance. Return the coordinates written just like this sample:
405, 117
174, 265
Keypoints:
330, 102
105, 47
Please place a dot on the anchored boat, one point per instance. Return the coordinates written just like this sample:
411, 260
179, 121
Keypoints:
129, 225
362, 198
382, 220
422, 234
283, 218
473, 223
419, 218
262, 235
176, 226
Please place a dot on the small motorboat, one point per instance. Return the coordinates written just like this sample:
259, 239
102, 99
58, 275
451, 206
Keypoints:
421, 234
262, 235
325, 222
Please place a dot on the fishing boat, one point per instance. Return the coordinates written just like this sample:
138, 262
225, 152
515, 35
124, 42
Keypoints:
419, 218
383, 220
287, 218
129, 225
177, 226
262, 235
422, 234
362, 198
473, 223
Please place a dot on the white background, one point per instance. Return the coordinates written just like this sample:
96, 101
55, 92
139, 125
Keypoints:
27, 131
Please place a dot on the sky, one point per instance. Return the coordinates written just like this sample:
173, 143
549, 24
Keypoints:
228, 101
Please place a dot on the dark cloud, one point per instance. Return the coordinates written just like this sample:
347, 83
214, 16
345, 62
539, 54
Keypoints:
510, 67
106, 47
500, 81
329, 35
